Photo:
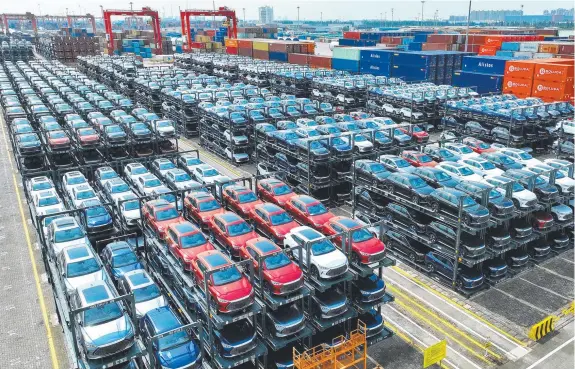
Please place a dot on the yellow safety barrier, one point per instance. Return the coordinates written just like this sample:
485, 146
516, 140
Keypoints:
543, 328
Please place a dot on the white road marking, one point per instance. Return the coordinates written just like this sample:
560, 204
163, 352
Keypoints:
547, 289
555, 273
551, 353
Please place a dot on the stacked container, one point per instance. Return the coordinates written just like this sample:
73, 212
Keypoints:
346, 58
485, 73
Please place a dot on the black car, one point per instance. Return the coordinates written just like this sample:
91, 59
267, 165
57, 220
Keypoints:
517, 258
285, 162
409, 186
373, 322
448, 200
371, 172
28, 143
520, 228
412, 249
328, 304
287, 320
114, 134
542, 189
235, 339
436, 178
559, 240
370, 201
497, 238
467, 278
413, 220
498, 205
539, 248
494, 269
470, 245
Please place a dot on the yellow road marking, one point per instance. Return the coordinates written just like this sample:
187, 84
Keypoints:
445, 322
459, 305
53, 356
223, 163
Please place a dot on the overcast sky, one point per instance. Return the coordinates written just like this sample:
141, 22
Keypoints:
310, 9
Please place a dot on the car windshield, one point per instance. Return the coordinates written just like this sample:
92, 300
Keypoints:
131, 205
525, 156
539, 181
69, 234
183, 177
507, 160
291, 136
465, 150
210, 173
441, 176
83, 195
102, 314
193, 240
464, 171
139, 170
126, 258
238, 229
247, 197
47, 185
120, 188
494, 195
226, 275
280, 218
80, 268
58, 134
146, 293
96, 211
114, 129
425, 159
517, 187
316, 209
468, 201
322, 247
361, 235
484, 145
446, 153
165, 214
417, 182
209, 205
402, 163
282, 190
487, 165
277, 261
108, 175
47, 201
152, 183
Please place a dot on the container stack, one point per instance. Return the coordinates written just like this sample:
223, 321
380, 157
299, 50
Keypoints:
67, 48
548, 79
264, 49
484, 73
258, 32
537, 50
493, 43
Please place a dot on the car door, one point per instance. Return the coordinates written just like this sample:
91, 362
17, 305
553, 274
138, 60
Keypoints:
442, 265
172, 241
403, 186
221, 232
301, 250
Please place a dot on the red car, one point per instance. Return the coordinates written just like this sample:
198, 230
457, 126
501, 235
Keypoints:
273, 190
240, 199
87, 136
365, 246
477, 145
228, 288
185, 241
357, 115
280, 274
418, 159
159, 214
58, 140
308, 211
201, 207
272, 221
542, 220
417, 134
231, 231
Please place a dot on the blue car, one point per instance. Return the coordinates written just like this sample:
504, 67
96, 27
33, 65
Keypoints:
95, 217
285, 138
174, 351
312, 148
368, 289
120, 258
373, 323
467, 278
236, 339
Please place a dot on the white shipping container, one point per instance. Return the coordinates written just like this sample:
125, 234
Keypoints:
523, 54
529, 46
543, 55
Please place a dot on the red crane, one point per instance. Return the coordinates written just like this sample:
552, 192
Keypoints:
70, 19
27, 16
222, 11
145, 12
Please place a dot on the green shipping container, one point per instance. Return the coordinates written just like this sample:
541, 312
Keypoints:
347, 53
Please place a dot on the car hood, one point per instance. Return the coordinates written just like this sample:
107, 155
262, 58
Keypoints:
73, 283
321, 219
452, 182
286, 274
282, 199
242, 239
477, 210
118, 272
192, 252
425, 191
109, 332
58, 247
143, 307
333, 259
525, 195
235, 290
562, 209
372, 246
179, 356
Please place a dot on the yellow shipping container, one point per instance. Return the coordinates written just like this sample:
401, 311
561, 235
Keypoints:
261, 45
203, 38
216, 45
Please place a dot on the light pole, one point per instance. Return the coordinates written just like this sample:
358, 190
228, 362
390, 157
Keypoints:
521, 15
381, 16
244, 10
321, 16
421, 20
467, 30
298, 15
392, 15
384, 18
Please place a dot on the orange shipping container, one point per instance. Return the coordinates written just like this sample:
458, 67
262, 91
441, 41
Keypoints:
554, 72
245, 44
494, 40
487, 50
557, 90
521, 87
549, 48
520, 69
231, 42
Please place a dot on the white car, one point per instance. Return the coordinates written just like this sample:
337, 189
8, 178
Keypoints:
79, 266
178, 179
520, 156
384, 121
459, 171
105, 174
522, 198
162, 166
116, 188
147, 295
206, 174
482, 166
237, 157
133, 171
565, 183
188, 162
64, 232
316, 93
360, 142
390, 109
147, 183
82, 193
461, 149
129, 207
568, 127
326, 261
47, 202
564, 166
71, 180
345, 99
408, 113
236, 139
37, 184
163, 127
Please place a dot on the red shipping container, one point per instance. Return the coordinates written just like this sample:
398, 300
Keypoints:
300, 59
434, 46
559, 91
231, 50
318, 61
520, 87
245, 44
245, 52
351, 35
554, 72
261, 54
441, 39
567, 49
197, 45
210, 32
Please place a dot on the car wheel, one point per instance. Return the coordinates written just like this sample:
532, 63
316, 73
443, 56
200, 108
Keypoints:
467, 219
389, 217
432, 237
435, 207
415, 199
494, 135
430, 267
314, 272
411, 257
459, 284
413, 228
355, 258
390, 189
516, 203
484, 133
468, 131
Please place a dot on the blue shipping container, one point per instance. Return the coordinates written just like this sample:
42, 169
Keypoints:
421, 37
507, 54
279, 56
413, 74
485, 64
510, 46
378, 69
344, 64
414, 46
483, 82
376, 56
419, 59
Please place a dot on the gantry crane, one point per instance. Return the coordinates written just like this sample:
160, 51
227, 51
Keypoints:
145, 12
27, 16
70, 19
230, 14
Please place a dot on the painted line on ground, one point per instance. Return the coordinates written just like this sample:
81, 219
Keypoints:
524, 302
554, 273
532, 366
547, 289
41, 301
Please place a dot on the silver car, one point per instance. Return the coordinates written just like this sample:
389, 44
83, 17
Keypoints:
147, 295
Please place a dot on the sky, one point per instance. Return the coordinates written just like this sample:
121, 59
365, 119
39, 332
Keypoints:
287, 9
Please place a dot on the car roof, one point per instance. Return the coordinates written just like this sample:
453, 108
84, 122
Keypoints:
264, 246
94, 292
346, 222
138, 277
118, 246
184, 227
305, 199
308, 233
163, 319
229, 217
77, 252
214, 259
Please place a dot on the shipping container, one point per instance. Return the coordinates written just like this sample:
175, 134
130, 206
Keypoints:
351, 35
376, 56
300, 59
379, 69
231, 42
559, 91
347, 53
420, 59
231, 50
319, 61
520, 87
261, 46
554, 72
245, 52
529, 46
245, 44
551, 48
345, 64
278, 56
485, 64
567, 49
483, 82
488, 50
412, 73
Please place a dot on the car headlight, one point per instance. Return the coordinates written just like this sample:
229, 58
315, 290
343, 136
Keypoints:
364, 253
222, 300
324, 309
276, 283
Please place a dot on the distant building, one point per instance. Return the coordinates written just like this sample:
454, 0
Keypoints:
457, 18
492, 15
266, 14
